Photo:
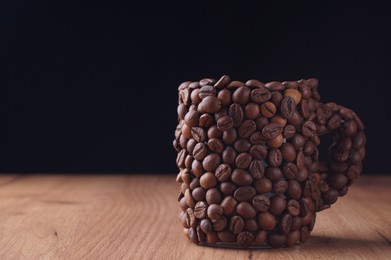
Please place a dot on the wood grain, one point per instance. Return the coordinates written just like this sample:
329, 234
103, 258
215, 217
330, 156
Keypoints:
135, 217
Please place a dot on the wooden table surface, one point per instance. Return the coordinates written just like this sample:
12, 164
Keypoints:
135, 217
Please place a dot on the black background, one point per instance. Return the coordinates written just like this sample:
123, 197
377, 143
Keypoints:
92, 87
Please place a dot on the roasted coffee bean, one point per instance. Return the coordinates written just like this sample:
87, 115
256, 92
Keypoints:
229, 205
260, 94
194, 96
225, 123
235, 111
293, 207
180, 159
215, 212
261, 202
241, 95
277, 240
277, 205
200, 209
190, 145
191, 118
242, 145
289, 131
246, 129
226, 236
308, 129
261, 122
198, 194
201, 234
275, 157
190, 218
207, 81
251, 111
219, 224
272, 130
330, 196
304, 234
303, 109
221, 113
296, 223
290, 84
257, 138
266, 221
296, 119
288, 107
245, 210
274, 86
236, 225
214, 132
230, 136
275, 142
268, 109
193, 235
185, 175
225, 97
279, 120
194, 85
207, 91
290, 170
309, 148
257, 169
212, 238
222, 82
182, 204
206, 226
260, 238
223, 172
294, 189
304, 207
241, 177
277, 98
337, 181
206, 120
216, 145
288, 152
243, 160
213, 196
208, 180
196, 168
273, 173
183, 141
227, 188
280, 187
305, 91
293, 238
286, 224
293, 93
211, 161
263, 185
184, 85
350, 128
229, 155
186, 131
209, 104
198, 133
298, 141
245, 239
182, 110
253, 83
189, 199
244, 193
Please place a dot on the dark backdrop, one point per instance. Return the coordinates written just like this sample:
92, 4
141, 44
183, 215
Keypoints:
93, 87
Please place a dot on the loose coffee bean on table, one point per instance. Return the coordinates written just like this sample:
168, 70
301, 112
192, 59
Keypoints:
248, 160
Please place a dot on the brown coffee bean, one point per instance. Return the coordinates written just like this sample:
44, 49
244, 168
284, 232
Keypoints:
277, 98
274, 86
211, 161
277, 205
261, 202
257, 138
303, 207
260, 238
296, 119
242, 145
350, 128
288, 152
207, 91
275, 142
201, 234
273, 173
304, 234
225, 123
194, 96
200, 209
241, 95
193, 235
223, 172
246, 129
191, 118
253, 83
272, 130
226, 236
243, 160
213, 196
190, 218
241, 177
229, 205
303, 108
260, 94
190, 145
215, 212
244, 193
206, 226
230, 136
214, 132
207, 81
216, 145
189, 199
293, 207
296, 223
275, 157
294, 189
280, 187
180, 159
186, 131
184, 85
251, 111
330, 197
236, 225
198, 133
257, 169
222, 82
289, 131
293, 238
298, 141
277, 240
266, 221
278, 120
229, 155
263, 185
245, 210
290, 170
206, 120
293, 93
286, 224
235, 111
209, 104
261, 122
288, 107
208, 180
245, 239
219, 224
221, 113
196, 168
183, 141
227, 188
268, 109
225, 97
337, 181
198, 194
308, 128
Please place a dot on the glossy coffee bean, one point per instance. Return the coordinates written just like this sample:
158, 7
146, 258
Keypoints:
277, 205
266, 221
244, 193
261, 202
223, 172
268, 109
241, 177
229, 204
263, 185
246, 210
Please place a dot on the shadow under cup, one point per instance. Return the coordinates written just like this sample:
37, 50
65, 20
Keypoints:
248, 160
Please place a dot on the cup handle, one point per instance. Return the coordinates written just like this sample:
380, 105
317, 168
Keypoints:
346, 153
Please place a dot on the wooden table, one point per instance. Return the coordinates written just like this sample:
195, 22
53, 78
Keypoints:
135, 217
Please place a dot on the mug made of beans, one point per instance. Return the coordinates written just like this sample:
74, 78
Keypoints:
248, 160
